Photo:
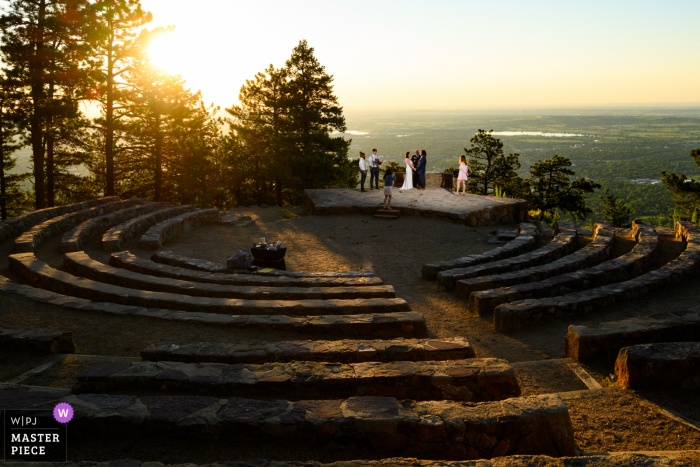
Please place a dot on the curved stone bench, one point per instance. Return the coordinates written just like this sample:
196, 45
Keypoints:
76, 239
590, 255
525, 241
80, 264
509, 317
672, 365
173, 259
384, 326
165, 231
37, 272
23, 222
118, 235
345, 351
473, 380
620, 269
377, 424
43, 340
586, 341
33, 238
127, 260
561, 245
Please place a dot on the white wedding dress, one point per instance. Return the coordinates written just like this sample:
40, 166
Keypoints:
408, 179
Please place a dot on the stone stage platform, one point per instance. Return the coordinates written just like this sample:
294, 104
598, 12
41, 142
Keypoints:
432, 202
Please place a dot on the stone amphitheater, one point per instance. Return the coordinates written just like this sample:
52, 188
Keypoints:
457, 334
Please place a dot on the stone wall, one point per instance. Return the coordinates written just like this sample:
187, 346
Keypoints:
169, 229
671, 365
432, 180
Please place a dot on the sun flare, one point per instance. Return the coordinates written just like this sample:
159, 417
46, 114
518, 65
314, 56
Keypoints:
166, 54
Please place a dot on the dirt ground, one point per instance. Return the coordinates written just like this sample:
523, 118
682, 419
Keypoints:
395, 250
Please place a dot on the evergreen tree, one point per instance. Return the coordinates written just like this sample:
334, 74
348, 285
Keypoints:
551, 188
12, 199
684, 191
488, 166
615, 212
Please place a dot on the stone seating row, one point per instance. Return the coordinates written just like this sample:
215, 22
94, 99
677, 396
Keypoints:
117, 236
33, 238
509, 317
672, 365
380, 326
165, 231
127, 260
39, 339
80, 264
431, 429
592, 254
76, 239
620, 269
590, 340
525, 241
23, 222
173, 259
341, 351
39, 273
473, 380
562, 244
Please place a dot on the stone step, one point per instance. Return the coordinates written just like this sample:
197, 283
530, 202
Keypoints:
127, 260
389, 212
39, 339
386, 216
586, 341
381, 425
592, 254
379, 326
562, 244
525, 241
670, 365
167, 230
472, 380
620, 269
80, 264
41, 274
234, 220
117, 236
342, 351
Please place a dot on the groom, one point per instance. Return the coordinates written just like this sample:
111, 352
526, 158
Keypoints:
421, 168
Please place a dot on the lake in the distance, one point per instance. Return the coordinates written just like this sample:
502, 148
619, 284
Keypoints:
533, 133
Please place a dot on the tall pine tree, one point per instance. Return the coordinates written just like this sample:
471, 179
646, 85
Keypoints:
685, 191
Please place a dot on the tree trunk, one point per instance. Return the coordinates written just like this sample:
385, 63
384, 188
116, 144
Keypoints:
3, 188
37, 90
50, 188
158, 160
109, 121
278, 190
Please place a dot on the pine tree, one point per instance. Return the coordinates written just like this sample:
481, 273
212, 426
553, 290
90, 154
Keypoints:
488, 165
12, 200
615, 212
685, 191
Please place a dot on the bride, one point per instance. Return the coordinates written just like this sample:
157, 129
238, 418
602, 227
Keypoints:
408, 179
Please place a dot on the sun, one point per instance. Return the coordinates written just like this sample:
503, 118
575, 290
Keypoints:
166, 54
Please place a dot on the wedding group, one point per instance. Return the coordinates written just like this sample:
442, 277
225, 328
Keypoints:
414, 165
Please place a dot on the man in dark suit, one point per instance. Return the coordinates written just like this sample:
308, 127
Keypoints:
421, 168
416, 178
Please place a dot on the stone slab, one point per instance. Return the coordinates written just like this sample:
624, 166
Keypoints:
671, 365
39, 339
80, 264
472, 380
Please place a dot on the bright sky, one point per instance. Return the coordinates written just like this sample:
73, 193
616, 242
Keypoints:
445, 54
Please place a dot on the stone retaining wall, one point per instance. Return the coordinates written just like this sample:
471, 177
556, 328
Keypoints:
76, 239
590, 340
344, 351
42, 340
25, 221
385, 326
432, 180
37, 235
434, 429
131, 262
671, 365
590, 255
166, 231
473, 380
524, 242
39, 273
118, 235
620, 269
562, 244
515, 315
80, 264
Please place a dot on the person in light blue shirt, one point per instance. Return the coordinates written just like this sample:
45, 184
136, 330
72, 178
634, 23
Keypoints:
389, 179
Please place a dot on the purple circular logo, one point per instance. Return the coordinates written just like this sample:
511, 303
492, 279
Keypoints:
63, 412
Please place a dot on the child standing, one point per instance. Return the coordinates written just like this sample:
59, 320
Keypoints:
463, 175
389, 180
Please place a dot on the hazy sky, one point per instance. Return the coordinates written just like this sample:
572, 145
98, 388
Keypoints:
442, 54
